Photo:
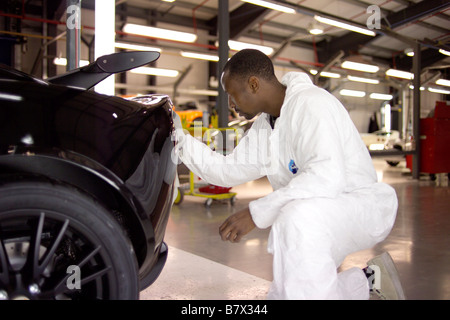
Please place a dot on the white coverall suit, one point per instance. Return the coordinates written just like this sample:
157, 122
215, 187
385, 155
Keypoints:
326, 201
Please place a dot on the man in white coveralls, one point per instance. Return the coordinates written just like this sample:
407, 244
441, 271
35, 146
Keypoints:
326, 201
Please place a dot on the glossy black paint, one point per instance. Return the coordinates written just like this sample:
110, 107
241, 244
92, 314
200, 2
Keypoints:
103, 144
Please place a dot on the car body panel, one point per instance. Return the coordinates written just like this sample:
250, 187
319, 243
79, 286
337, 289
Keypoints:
95, 142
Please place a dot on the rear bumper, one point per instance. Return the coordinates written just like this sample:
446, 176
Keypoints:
147, 279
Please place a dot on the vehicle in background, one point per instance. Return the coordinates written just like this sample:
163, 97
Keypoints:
385, 140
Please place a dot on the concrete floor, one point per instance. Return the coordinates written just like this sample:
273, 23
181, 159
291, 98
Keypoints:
201, 266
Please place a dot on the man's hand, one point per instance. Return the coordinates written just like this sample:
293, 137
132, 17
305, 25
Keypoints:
237, 226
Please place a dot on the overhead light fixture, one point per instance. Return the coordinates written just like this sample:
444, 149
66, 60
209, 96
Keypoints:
238, 45
343, 25
315, 29
313, 71
447, 53
352, 93
409, 52
168, 0
63, 62
400, 74
271, 5
159, 33
137, 47
436, 90
155, 72
330, 74
365, 80
381, 96
360, 66
200, 56
443, 82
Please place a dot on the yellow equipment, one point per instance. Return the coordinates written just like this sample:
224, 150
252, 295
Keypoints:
213, 192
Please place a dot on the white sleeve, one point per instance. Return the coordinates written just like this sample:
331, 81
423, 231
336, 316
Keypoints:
238, 167
318, 154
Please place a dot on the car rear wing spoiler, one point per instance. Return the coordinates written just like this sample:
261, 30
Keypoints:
88, 76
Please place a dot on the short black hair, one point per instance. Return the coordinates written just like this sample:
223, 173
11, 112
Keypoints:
250, 62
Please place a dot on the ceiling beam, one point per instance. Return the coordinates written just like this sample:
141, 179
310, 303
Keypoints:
354, 41
415, 12
243, 18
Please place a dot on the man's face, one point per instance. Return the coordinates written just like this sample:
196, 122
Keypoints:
240, 96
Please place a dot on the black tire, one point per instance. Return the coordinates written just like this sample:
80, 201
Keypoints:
44, 229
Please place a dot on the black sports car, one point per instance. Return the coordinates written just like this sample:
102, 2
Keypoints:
86, 184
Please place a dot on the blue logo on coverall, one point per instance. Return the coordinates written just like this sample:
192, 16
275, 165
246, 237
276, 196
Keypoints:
293, 167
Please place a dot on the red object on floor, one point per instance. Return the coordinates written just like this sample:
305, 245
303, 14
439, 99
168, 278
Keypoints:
214, 189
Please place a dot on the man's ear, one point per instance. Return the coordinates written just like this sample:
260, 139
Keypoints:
253, 83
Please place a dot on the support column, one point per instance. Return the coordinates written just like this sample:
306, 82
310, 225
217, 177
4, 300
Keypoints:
224, 34
105, 11
73, 27
416, 111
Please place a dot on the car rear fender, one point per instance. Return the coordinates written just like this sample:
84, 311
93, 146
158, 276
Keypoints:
92, 178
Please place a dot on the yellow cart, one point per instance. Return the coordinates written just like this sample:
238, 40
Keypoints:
192, 188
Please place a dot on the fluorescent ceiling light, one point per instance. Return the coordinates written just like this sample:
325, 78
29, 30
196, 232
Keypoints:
352, 93
63, 62
436, 90
330, 74
381, 96
447, 53
400, 74
159, 33
443, 82
237, 46
129, 46
155, 72
201, 56
271, 5
344, 26
313, 71
365, 80
359, 66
